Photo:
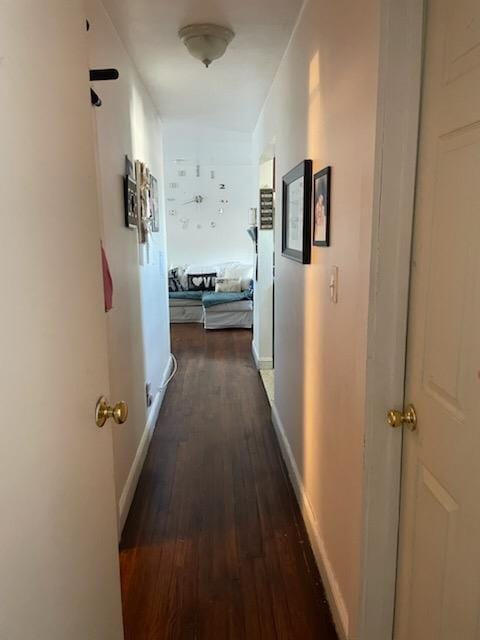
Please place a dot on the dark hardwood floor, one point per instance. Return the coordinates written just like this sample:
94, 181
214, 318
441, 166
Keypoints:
215, 547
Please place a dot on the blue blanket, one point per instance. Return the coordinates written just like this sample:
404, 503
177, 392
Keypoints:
211, 298
185, 295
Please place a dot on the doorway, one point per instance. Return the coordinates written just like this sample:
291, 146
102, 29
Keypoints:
264, 321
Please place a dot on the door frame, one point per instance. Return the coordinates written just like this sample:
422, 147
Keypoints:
262, 361
398, 115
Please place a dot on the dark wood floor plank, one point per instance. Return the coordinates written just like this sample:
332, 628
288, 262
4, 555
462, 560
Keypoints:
214, 547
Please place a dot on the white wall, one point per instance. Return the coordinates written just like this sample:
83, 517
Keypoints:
138, 326
263, 309
322, 106
202, 233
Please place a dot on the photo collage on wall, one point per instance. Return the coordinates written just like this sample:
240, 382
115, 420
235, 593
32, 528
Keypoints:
141, 198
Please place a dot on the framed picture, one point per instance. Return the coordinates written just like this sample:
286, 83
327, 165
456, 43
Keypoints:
266, 208
129, 168
321, 208
154, 205
142, 175
297, 213
130, 196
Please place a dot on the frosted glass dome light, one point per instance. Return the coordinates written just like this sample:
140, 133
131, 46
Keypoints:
207, 42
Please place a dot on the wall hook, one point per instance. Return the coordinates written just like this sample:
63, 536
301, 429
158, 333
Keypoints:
100, 75
95, 99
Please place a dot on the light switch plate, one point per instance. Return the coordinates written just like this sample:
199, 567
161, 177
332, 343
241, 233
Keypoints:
333, 284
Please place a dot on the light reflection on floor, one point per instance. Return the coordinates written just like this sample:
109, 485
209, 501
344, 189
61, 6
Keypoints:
268, 379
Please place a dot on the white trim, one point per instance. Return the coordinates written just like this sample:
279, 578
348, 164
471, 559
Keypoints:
128, 492
396, 153
261, 363
332, 588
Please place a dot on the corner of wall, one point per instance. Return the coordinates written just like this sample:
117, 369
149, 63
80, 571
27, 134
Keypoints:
331, 67
131, 483
261, 362
138, 326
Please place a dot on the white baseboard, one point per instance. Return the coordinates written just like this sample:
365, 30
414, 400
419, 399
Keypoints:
261, 363
332, 589
128, 492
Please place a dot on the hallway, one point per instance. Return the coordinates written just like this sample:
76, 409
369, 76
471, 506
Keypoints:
214, 545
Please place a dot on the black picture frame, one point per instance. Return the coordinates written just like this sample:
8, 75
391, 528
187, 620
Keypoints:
154, 204
131, 202
321, 207
130, 195
266, 210
297, 224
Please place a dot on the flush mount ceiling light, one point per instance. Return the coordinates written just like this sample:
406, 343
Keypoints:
207, 42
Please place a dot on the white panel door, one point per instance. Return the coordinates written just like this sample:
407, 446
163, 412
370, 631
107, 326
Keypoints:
438, 590
59, 577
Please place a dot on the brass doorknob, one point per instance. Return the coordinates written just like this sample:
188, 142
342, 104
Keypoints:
399, 418
104, 411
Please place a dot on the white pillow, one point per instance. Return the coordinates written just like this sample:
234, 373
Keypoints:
181, 275
197, 269
222, 266
228, 285
243, 272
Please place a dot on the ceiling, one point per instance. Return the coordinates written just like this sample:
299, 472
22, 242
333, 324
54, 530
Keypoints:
228, 95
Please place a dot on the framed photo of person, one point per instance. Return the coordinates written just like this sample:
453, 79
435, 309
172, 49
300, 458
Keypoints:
321, 208
297, 213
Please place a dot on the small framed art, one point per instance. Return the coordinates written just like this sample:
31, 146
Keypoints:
266, 209
130, 195
297, 213
321, 208
154, 205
